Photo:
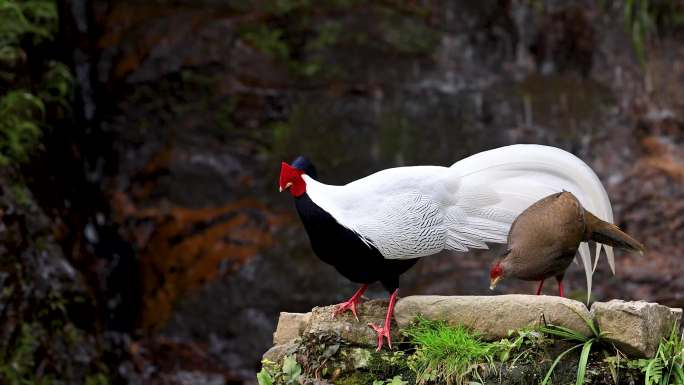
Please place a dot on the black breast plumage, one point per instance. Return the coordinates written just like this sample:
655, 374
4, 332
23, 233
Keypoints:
344, 249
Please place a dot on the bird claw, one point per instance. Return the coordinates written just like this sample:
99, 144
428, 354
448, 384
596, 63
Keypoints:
344, 306
382, 332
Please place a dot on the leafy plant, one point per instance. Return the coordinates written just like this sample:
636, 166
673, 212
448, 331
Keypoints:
34, 19
291, 370
665, 368
287, 374
23, 26
264, 377
57, 85
640, 23
451, 354
526, 343
585, 343
21, 112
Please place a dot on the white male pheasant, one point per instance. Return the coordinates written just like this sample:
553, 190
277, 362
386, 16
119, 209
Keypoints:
376, 228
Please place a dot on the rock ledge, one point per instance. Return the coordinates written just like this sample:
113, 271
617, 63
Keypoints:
635, 327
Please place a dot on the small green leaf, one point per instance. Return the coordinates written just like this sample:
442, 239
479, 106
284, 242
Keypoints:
264, 377
396, 380
291, 370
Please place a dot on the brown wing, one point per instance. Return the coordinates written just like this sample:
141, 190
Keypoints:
546, 235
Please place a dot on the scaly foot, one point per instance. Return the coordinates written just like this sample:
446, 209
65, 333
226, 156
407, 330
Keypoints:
347, 305
383, 332
350, 304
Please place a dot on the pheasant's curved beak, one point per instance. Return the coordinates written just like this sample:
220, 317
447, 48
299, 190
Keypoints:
493, 282
287, 186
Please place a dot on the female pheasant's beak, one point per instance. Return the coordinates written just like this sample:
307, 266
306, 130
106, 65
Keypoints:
493, 282
287, 186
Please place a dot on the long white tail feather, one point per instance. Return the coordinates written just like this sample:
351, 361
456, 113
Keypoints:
522, 174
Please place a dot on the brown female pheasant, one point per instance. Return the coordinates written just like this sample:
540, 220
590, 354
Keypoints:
545, 237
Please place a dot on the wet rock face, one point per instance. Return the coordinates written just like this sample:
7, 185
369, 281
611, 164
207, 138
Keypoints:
48, 316
200, 101
50, 323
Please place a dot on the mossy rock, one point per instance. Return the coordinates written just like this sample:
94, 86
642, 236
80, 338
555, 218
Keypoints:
433, 352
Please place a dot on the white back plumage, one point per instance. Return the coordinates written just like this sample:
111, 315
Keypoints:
411, 212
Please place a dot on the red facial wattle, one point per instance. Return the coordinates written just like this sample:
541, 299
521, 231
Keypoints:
496, 271
291, 178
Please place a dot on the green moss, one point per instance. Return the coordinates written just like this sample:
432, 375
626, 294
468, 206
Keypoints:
21, 194
286, 6
356, 378
267, 40
273, 42
409, 35
96, 379
387, 365
224, 116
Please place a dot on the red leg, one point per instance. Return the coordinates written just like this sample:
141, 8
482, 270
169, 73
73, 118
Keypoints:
541, 284
559, 279
385, 330
350, 304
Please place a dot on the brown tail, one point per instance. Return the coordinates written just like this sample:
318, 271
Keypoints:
609, 234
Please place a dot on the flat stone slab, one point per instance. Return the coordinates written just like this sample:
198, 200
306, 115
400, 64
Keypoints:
278, 352
494, 316
290, 326
635, 327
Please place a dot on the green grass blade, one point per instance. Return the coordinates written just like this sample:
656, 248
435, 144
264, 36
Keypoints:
678, 373
563, 332
582, 365
590, 323
555, 362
